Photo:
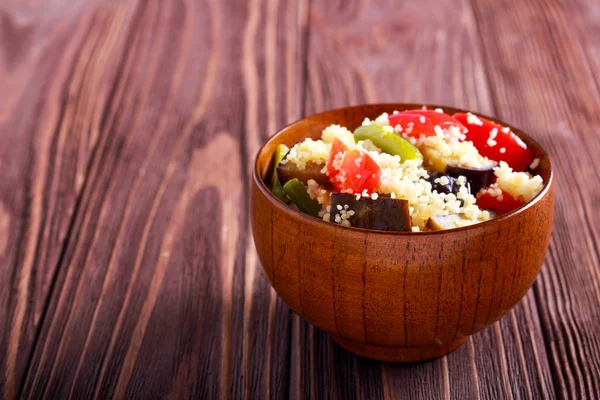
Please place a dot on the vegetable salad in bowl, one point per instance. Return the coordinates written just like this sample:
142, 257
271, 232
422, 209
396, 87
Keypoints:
413, 170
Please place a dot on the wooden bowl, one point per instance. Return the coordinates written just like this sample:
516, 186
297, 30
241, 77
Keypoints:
396, 296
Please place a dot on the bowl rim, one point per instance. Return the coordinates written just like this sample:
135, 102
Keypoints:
275, 201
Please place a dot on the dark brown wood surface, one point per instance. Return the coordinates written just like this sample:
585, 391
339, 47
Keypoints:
127, 131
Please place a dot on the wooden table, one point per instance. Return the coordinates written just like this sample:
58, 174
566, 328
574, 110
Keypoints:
127, 131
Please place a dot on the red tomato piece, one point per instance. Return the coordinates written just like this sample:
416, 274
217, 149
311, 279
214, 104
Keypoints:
506, 145
423, 122
503, 203
352, 171
337, 147
360, 173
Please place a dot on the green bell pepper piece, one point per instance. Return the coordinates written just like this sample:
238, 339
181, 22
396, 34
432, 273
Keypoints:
276, 186
388, 142
300, 197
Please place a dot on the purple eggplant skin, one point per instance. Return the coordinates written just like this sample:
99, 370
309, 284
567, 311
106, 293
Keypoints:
383, 214
289, 170
451, 187
477, 178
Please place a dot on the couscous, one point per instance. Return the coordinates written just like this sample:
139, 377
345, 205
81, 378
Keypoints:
414, 170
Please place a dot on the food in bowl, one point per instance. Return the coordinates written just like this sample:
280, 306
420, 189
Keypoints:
389, 295
414, 170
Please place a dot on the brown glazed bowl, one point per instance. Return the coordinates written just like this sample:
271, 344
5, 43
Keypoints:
396, 296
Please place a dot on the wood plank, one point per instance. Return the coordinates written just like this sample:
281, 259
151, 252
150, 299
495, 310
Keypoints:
373, 52
537, 61
160, 293
586, 14
123, 312
51, 107
273, 52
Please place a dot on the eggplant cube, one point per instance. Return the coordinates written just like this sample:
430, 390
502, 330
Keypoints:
383, 214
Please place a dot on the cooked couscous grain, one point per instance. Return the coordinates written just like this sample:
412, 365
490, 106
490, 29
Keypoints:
409, 179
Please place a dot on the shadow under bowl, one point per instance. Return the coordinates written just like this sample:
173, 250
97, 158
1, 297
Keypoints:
396, 296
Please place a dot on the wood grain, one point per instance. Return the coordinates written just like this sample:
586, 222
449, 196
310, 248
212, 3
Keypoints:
145, 254
553, 94
117, 282
407, 60
49, 124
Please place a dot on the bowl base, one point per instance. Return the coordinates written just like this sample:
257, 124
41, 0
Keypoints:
398, 354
